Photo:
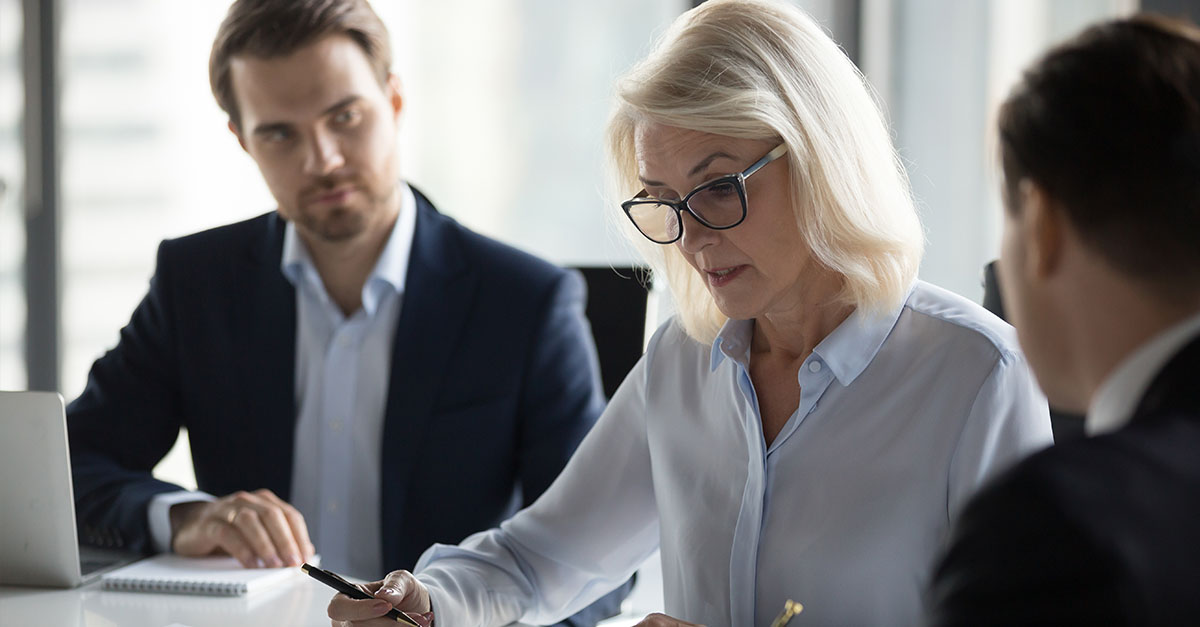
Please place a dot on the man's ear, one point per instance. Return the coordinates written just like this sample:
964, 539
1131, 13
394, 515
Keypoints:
393, 94
1043, 226
234, 129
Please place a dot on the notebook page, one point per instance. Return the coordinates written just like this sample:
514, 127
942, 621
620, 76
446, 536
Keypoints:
169, 573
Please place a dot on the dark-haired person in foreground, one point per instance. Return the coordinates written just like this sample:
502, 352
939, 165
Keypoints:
1100, 272
358, 374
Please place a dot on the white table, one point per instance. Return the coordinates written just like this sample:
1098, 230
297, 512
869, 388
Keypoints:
299, 602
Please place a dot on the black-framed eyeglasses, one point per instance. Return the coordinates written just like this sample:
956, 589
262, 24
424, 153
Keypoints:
717, 204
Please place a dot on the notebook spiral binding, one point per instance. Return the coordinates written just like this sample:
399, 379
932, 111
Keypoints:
211, 588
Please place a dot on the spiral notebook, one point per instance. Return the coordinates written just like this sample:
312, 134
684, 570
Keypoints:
214, 576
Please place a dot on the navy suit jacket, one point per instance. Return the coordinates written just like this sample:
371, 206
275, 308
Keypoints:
1095, 531
494, 382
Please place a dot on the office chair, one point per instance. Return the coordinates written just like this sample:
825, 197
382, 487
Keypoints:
1065, 425
616, 309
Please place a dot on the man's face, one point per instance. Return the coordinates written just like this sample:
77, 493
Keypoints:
323, 132
1028, 288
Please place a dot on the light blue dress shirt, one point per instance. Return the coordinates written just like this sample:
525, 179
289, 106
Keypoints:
342, 373
343, 365
901, 417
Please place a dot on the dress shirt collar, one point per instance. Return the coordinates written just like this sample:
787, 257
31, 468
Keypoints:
847, 350
733, 342
1113, 405
390, 269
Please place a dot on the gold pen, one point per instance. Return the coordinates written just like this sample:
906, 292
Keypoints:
790, 609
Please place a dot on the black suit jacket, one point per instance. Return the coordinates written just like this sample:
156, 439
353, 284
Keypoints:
494, 382
1098, 531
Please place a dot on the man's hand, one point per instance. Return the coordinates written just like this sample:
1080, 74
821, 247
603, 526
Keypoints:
399, 590
258, 528
662, 620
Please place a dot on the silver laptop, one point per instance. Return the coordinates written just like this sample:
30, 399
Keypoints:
38, 544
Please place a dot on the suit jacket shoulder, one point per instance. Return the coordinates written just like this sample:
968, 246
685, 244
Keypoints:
498, 265
1100, 530
203, 252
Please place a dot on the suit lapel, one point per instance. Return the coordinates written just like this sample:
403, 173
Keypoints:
438, 294
269, 361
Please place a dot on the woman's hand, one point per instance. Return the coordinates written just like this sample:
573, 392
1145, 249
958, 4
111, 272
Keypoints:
399, 590
662, 620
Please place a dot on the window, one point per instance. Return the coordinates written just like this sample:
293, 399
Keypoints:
12, 229
942, 67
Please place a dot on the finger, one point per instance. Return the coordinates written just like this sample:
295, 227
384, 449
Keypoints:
249, 523
299, 529
227, 538
343, 608
280, 534
662, 620
403, 590
394, 587
258, 519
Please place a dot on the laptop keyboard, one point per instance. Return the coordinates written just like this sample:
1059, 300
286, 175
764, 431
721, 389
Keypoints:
92, 559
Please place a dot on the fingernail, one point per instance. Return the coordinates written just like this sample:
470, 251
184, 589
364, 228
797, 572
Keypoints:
382, 606
294, 559
274, 562
390, 591
258, 562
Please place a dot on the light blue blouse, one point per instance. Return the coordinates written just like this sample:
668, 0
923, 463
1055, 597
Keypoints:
901, 417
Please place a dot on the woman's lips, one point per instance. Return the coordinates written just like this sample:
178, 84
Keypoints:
718, 277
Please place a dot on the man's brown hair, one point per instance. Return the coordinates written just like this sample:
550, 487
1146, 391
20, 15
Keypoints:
275, 28
1108, 124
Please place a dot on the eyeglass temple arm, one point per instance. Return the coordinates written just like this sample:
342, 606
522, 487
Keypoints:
775, 153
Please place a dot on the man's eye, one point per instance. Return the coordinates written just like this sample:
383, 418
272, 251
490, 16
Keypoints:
347, 116
276, 136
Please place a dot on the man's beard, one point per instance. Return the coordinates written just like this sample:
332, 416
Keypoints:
337, 224
342, 223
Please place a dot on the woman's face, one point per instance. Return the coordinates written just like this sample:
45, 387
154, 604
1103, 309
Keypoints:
755, 268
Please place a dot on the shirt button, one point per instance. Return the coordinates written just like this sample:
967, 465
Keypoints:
335, 425
814, 366
332, 507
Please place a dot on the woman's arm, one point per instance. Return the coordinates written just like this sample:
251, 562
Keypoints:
586, 534
1008, 421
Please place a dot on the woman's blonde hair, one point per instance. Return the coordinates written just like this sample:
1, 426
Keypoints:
762, 70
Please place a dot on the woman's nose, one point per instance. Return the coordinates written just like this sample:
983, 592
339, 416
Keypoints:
695, 236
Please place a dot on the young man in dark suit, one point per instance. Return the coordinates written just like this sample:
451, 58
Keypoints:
1100, 273
341, 364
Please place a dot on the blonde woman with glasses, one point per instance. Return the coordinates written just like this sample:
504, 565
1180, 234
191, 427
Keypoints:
810, 422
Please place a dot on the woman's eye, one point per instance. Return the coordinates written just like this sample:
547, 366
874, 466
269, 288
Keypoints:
723, 189
666, 195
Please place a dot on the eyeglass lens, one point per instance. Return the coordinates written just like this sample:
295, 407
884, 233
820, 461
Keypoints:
718, 205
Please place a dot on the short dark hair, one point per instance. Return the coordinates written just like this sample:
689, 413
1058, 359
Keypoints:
1108, 124
273, 28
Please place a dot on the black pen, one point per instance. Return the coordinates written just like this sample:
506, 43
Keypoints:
335, 581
